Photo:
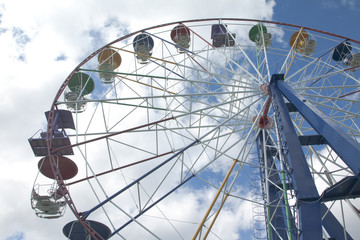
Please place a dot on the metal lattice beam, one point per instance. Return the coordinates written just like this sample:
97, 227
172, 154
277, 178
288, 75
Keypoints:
310, 226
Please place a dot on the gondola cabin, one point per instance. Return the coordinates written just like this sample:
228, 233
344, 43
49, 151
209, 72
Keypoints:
221, 37
342, 51
143, 45
302, 42
79, 85
47, 201
180, 35
109, 60
354, 63
259, 35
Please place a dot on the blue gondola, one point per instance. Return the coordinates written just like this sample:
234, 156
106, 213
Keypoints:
143, 45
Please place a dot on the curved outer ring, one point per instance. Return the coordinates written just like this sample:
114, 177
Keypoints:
50, 127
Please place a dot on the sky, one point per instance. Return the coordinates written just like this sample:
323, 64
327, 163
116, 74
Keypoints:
42, 41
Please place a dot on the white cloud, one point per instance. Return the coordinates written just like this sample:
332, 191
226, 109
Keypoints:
352, 5
41, 43
330, 4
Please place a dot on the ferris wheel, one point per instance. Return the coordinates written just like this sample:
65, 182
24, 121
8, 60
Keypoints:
206, 129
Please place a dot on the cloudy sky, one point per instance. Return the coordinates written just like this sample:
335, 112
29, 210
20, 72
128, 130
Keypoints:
42, 41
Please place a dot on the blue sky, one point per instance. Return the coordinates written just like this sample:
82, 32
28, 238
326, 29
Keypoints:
16, 236
42, 41
335, 16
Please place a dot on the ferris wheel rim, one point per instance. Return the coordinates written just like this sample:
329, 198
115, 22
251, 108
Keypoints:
54, 105
66, 81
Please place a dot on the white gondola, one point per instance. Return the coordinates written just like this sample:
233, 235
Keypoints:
48, 203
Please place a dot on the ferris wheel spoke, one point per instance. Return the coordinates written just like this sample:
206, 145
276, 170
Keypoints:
165, 111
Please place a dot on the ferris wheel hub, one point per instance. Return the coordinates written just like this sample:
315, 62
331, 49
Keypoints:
264, 122
264, 88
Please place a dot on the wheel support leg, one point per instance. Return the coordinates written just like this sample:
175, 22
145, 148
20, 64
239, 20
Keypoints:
344, 146
310, 226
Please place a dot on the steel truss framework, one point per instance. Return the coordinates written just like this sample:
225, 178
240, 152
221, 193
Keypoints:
313, 214
191, 121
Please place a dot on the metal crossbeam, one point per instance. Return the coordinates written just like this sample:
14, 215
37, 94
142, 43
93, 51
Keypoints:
306, 140
345, 147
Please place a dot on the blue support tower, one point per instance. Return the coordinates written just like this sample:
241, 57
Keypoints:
313, 213
303, 184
